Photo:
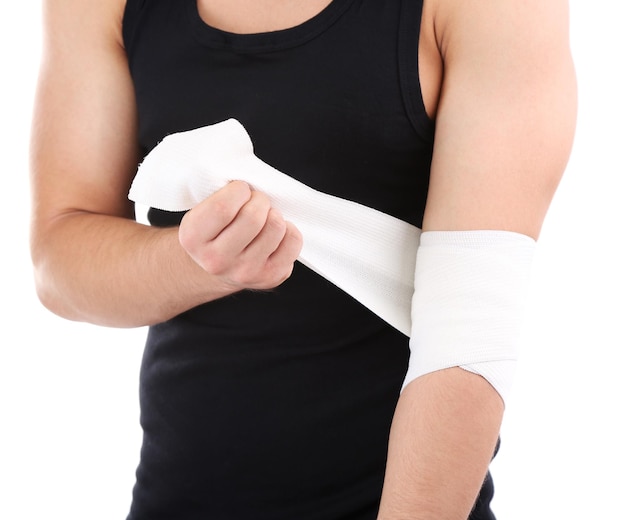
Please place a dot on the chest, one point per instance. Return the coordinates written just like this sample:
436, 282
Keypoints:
324, 101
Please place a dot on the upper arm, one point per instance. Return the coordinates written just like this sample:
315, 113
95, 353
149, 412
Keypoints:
83, 148
506, 114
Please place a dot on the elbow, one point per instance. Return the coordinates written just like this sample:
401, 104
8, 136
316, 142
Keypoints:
46, 278
47, 299
49, 295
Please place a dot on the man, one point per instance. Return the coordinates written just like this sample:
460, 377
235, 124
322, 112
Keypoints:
497, 80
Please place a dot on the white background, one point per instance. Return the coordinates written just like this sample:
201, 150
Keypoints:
69, 435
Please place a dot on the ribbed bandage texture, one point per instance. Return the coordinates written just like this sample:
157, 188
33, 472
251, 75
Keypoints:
365, 252
461, 301
468, 305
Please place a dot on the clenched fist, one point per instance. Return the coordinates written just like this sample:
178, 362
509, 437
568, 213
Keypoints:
238, 237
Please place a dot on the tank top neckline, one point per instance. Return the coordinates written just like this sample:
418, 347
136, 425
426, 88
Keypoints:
265, 41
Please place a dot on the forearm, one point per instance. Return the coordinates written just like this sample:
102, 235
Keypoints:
442, 439
112, 271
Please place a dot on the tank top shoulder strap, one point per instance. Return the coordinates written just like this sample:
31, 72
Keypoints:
130, 20
408, 44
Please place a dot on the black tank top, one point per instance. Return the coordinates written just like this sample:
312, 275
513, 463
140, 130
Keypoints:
277, 404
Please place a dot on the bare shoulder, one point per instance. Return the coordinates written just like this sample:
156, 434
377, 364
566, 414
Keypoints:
97, 18
517, 25
471, 32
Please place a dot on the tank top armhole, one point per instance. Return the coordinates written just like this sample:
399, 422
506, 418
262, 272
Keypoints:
129, 23
408, 42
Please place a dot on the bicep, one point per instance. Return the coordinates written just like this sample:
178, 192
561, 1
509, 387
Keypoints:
83, 150
506, 116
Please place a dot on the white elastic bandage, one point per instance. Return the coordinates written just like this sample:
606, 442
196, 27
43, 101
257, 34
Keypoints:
468, 305
468, 285
365, 252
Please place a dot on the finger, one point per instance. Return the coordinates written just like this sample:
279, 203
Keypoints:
209, 218
268, 238
246, 226
282, 259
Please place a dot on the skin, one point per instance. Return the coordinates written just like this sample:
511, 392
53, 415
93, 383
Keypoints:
496, 74
92, 262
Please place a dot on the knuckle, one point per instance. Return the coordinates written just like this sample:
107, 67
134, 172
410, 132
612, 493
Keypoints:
287, 272
213, 263
279, 271
187, 235
256, 211
250, 214
273, 231
248, 276
276, 222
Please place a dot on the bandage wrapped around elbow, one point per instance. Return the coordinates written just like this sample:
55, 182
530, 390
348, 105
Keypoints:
469, 301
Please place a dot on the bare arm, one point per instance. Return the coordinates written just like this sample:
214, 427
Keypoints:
92, 261
505, 126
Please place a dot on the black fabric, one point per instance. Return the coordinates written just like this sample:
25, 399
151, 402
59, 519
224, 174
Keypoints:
277, 404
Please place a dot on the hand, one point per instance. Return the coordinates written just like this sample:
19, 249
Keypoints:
237, 236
